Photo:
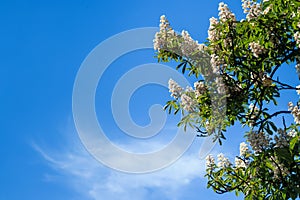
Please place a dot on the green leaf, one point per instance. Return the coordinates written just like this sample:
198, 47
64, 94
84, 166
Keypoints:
293, 143
180, 65
274, 127
268, 130
284, 154
184, 68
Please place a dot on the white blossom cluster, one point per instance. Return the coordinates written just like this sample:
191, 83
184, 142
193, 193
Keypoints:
164, 24
213, 35
223, 161
189, 89
199, 88
224, 13
281, 139
252, 9
256, 49
208, 127
177, 92
167, 39
188, 103
175, 89
210, 162
239, 163
221, 88
258, 141
297, 38
295, 112
227, 42
216, 62
244, 150
292, 133
165, 32
267, 10
279, 168
189, 46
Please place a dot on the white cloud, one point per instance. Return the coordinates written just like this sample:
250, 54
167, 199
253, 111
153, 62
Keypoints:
95, 181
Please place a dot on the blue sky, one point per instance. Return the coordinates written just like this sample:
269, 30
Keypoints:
43, 44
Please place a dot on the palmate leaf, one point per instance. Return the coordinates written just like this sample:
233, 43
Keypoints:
172, 105
293, 143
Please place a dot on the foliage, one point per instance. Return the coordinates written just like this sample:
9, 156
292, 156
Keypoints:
238, 81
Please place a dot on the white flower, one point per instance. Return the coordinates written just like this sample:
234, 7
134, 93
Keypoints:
258, 141
175, 89
295, 112
267, 10
252, 9
290, 105
252, 107
292, 133
252, 114
280, 139
279, 168
157, 42
246, 5
243, 149
188, 103
201, 47
239, 163
208, 128
228, 42
164, 23
210, 162
189, 46
221, 88
215, 62
212, 33
189, 89
166, 32
256, 49
224, 13
199, 88
183, 45
223, 161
